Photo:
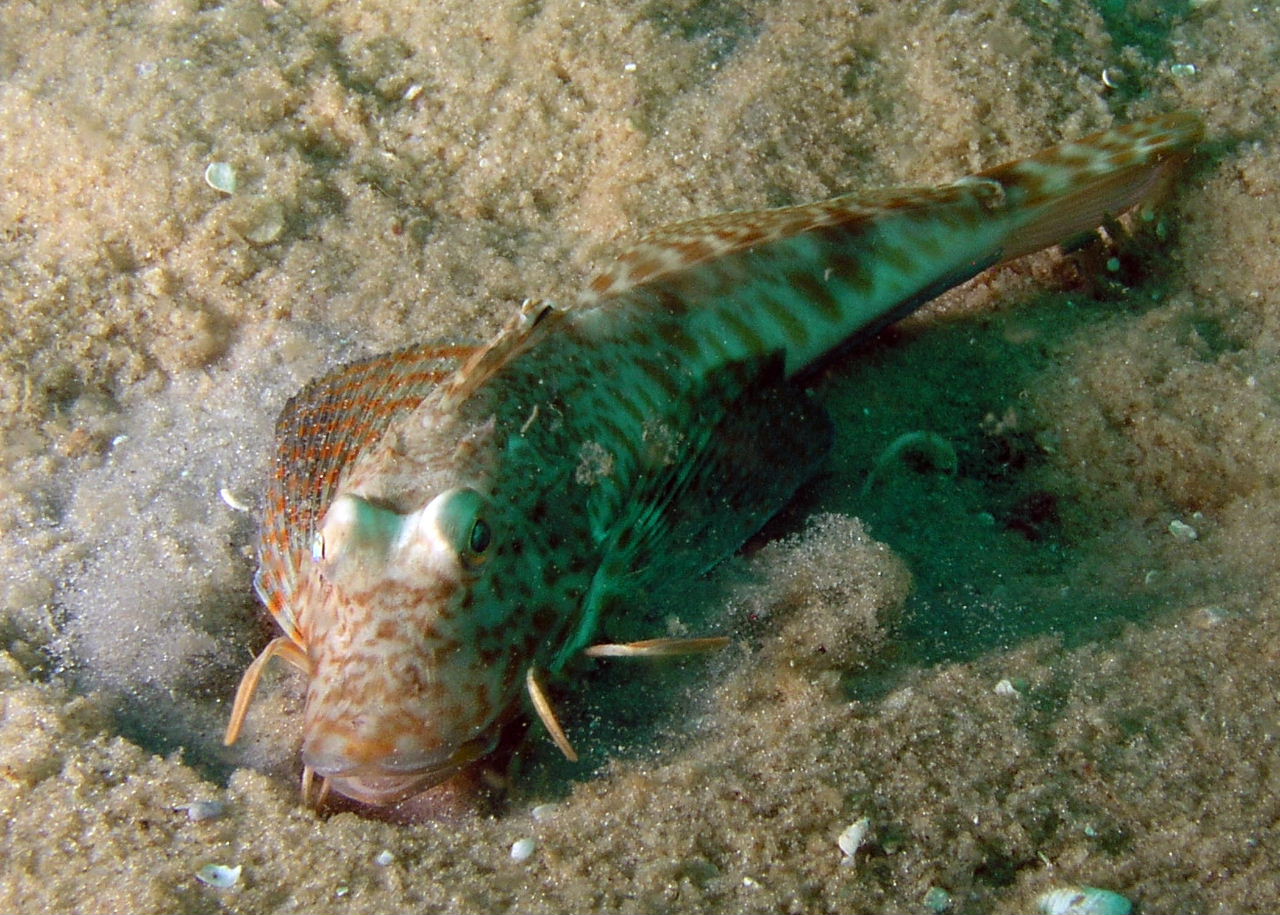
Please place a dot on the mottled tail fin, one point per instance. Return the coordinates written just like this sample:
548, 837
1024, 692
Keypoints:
1074, 187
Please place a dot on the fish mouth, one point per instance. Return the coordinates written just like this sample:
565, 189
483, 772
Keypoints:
380, 785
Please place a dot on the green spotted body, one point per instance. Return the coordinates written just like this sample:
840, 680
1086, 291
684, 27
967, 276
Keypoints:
436, 532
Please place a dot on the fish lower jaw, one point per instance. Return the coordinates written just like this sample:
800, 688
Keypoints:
379, 783
381, 790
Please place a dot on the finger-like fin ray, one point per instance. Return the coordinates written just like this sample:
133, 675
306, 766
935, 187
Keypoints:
657, 648
282, 646
542, 705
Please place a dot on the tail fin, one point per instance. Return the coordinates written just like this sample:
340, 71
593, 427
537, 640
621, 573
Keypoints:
1074, 187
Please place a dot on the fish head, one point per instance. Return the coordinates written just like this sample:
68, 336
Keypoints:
412, 659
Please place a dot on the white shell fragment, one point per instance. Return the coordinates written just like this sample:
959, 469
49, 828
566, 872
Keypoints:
232, 501
1182, 532
221, 176
219, 875
203, 810
384, 858
1083, 900
522, 849
928, 449
1006, 688
259, 218
544, 812
854, 835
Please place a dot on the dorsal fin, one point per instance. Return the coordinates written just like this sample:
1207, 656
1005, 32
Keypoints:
320, 432
683, 245
487, 360
1075, 185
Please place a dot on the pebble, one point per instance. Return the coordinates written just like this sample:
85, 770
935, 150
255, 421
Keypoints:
937, 899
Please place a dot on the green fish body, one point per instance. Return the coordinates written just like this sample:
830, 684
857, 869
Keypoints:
436, 533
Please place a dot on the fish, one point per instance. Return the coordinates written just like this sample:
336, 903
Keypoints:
446, 525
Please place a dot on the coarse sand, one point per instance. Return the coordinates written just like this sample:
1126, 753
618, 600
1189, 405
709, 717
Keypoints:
1053, 663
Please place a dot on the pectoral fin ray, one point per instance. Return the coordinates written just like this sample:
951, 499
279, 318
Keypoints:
656, 648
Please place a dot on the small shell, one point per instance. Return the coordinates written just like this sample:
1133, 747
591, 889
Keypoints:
221, 176
258, 218
853, 836
522, 849
219, 875
384, 858
544, 812
1006, 688
1083, 900
203, 810
232, 501
928, 450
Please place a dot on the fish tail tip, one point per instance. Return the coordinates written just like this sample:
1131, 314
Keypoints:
1076, 186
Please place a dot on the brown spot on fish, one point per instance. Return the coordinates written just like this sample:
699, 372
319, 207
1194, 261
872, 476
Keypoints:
644, 269
817, 292
694, 250
793, 327
675, 335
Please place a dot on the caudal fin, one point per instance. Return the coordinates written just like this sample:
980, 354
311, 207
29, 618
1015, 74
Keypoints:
1074, 187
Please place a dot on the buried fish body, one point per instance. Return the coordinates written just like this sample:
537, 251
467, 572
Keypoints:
445, 522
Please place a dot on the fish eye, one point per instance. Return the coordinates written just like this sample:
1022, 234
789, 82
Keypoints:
481, 536
457, 518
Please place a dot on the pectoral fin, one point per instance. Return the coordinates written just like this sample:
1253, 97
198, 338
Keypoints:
737, 469
753, 439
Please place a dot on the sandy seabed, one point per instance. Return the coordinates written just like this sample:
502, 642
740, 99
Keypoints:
410, 171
